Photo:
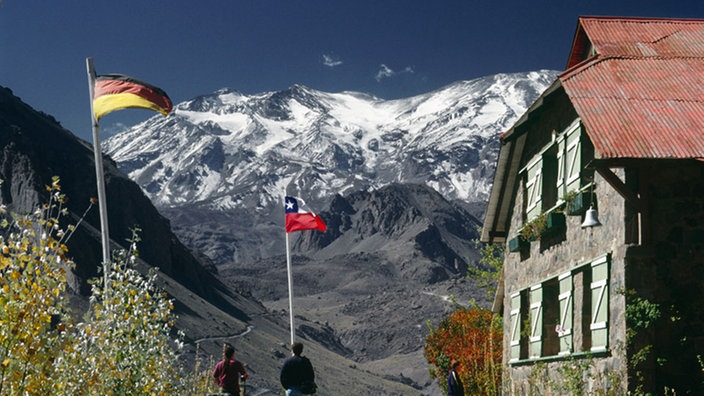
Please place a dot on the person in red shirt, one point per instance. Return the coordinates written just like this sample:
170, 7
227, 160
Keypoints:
228, 371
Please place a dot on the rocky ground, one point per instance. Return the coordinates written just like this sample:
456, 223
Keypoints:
261, 337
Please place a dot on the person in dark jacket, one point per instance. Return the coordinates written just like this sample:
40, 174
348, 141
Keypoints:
454, 384
297, 375
228, 371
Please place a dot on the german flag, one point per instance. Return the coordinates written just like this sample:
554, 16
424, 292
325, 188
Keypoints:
116, 92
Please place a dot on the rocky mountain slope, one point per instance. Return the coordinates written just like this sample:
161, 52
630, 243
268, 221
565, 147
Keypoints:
35, 148
372, 267
391, 262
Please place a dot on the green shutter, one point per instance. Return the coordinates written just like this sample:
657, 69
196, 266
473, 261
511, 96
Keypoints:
534, 182
564, 329
573, 160
515, 341
600, 304
536, 322
561, 168
569, 160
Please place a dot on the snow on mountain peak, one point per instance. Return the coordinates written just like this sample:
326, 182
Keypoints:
227, 149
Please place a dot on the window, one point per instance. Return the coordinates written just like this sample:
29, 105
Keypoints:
541, 177
548, 312
544, 314
553, 172
550, 178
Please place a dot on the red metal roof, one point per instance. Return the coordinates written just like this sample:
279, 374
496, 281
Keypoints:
642, 94
638, 37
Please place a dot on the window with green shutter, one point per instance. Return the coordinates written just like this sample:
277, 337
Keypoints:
555, 171
600, 304
564, 327
563, 315
535, 340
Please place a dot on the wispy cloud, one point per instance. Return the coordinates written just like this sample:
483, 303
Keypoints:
331, 61
387, 72
114, 128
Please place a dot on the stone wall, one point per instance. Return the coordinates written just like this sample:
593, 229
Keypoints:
666, 268
548, 258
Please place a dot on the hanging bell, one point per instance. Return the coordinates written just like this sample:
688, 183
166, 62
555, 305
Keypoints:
590, 219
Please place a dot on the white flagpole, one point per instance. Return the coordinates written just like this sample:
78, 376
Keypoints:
290, 290
99, 175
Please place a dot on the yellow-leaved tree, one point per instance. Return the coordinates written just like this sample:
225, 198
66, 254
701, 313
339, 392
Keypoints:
125, 345
32, 303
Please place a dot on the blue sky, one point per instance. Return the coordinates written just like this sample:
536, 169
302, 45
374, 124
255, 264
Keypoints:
390, 49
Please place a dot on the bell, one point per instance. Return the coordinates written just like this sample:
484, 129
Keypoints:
590, 219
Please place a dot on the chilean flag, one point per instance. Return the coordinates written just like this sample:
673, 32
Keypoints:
299, 220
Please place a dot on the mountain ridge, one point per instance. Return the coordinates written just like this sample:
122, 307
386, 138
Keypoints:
357, 131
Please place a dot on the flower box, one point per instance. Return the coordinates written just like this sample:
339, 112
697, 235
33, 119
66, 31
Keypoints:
554, 222
517, 243
579, 203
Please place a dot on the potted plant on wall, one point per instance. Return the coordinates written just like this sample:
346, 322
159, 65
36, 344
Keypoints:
518, 243
544, 224
533, 229
554, 222
547, 223
577, 202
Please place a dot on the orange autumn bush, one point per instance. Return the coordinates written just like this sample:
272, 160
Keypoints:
473, 337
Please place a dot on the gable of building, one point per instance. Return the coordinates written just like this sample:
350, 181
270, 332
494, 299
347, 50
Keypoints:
636, 84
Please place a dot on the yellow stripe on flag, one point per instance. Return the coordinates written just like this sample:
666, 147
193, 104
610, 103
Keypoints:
108, 103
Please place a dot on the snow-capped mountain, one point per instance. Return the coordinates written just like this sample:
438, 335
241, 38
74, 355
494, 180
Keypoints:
225, 149
219, 165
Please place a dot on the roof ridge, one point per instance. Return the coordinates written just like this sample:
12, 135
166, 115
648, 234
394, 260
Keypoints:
641, 19
596, 59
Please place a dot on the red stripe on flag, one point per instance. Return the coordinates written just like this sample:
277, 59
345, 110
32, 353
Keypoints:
304, 221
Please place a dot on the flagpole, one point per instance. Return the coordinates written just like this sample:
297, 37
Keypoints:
99, 175
290, 290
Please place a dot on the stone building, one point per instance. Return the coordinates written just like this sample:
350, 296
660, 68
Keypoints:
608, 298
